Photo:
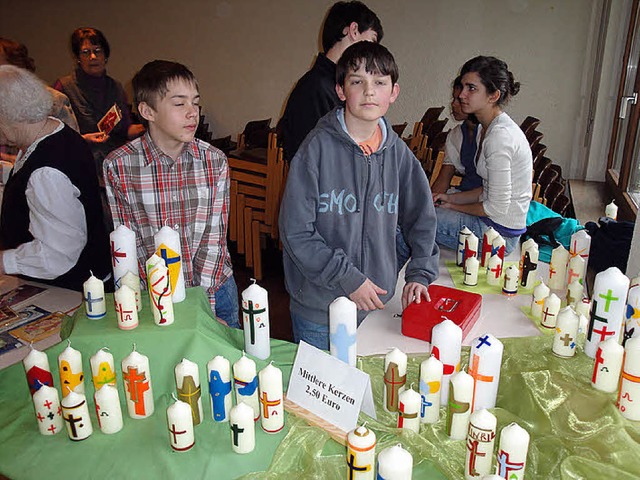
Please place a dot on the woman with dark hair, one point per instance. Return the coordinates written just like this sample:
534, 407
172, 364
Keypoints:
503, 161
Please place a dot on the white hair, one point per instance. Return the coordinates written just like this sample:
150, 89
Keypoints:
23, 96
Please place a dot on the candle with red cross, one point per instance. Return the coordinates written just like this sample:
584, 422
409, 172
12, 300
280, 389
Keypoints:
409, 410
558, 268
243, 429
36, 366
361, 453
632, 314
607, 366
159, 291
94, 303
550, 311
446, 343
136, 377
485, 362
255, 319
462, 237
459, 405
511, 278
580, 244
167, 245
48, 410
528, 263
431, 371
187, 377
540, 293
108, 409
103, 371
629, 391
343, 322
498, 247
575, 291
245, 380
395, 378
219, 377
395, 463
575, 269
470, 248
132, 281
126, 310
75, 413
494, 270
124, 257
611, 210
471, 266
70, 369
180, 426
487, 240
512, 452
608, 304
271, 407
566, 333
480, 439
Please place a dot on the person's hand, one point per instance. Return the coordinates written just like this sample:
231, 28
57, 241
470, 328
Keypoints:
96, 137
366, 296
440, 199
413, 292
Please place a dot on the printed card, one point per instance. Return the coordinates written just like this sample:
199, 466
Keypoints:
39, 329
110, 119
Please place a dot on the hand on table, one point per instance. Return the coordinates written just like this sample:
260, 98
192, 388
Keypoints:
366, 296
413, 292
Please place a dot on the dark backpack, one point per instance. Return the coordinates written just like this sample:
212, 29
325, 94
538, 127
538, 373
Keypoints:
610, 244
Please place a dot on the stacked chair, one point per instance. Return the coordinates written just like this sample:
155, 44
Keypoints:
427, 141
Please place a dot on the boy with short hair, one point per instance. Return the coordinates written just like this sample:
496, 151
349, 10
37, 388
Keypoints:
351, 183
168, 177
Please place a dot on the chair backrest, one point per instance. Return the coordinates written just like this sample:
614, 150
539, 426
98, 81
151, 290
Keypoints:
538, 151
546, 178
552, 191
399, 128
558, 169
534, 138
256, 133
439, 141
435, 128
561, 205
431, 115
539, 167
529, 123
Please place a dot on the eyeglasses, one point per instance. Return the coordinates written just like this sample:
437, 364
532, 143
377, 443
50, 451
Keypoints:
88, 51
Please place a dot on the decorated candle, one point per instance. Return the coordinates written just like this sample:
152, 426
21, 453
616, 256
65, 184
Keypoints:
361, 453
498, 247
243, 434
629, 391
485, 361
48, 412
75, 413
126, 309
188, 385
558, 268
180, 425
136, 376
575, 269
580, 244
103, 371
529, 263
132, 281
446, 342
584, 307
471, 266
632, 314
494, 270
540, 293
512, 452
108, 409
255, 320
511, 277
574, 293
608, 305
167, 245
246, 383
124, 256
159, 291
459, 405
550, 311
566, 333
219, 375
395, 463
271, 398
36, 366
94, 302
431, 371
611, 210
635, 281
409, 410
480, 438
70, 368
487, 239
470, 248
462, 237
607, 366
343, 322
395, 378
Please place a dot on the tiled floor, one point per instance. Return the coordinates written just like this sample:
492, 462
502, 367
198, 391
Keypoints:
589, 200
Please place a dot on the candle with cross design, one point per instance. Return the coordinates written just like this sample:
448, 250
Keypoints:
494, 271
540, 293
271, 396
608, 304
70, 369
629, 391
462, 237
93, 295
108, 409
511, 278
480, 439
575, 269
446, 343
471, 267
136, 376
124, 256
343, 322
566, 333
470, 248
103, 371
126, 310
512, 452
635, 281
219, 375
611, 210
459, 405
575, 291
245, 381
361, 453
583, 307
167, 245
431, 371
159, 291
395, 463
529, 263
558, 268
409, 410
632, 314
498, 247
180, 425
48, 410
487, 240
36, 366
75, 413
485, 362
255, 319
607, 366
550, 311
243, 429
187, 376
395, 378
132, 281
580, 244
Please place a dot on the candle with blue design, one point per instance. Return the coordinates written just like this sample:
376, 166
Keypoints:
485, 362
94, 302
632, 314
126, 309
187, 376
245, 382
431, 371
487, 240
36, 366
566, 333
409, 410
343, 322
180, 426
255, 320
480, 439
167, 245
124, 256
361, 453
243, 429
159, 291
219, 377
462, 238
271, 404
512, 452
395, 463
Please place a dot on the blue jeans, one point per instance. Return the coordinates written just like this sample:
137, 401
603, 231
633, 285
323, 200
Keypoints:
310, 332
227, 303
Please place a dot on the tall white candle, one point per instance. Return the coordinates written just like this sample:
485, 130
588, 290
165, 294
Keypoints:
470, 247
108, 409
132, 281
126, 310
246, 383
48, 412
632, 314
271, 396
480, 439
629, 391
94, 302
395, 378
395, 463
511, 278
611, 210
180, 425
471, 266
487, 239
512, 452
255, 318
494, 270
36, 366
462, 237
498, 247
219, 375
159, 291
136, 376
71, 373
485, 361
75, 413
459, 406
446, 343
574, 293
167, 245
558, 268
343, 322
431, 371
188, 385
103, 371
607, 366
361, 453
580, 245
409, 410
540, 293
529, 263
566, 332
124, 256
550, 311
243, 434
575, 269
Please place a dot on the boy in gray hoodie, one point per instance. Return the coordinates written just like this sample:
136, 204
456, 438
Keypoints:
351, 183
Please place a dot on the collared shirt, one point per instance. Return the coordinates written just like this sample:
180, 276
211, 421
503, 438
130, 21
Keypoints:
148, 190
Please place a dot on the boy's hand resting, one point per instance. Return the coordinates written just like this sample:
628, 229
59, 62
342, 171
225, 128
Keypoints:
366, 296
413, 292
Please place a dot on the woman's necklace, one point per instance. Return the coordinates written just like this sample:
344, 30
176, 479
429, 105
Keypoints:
37, 137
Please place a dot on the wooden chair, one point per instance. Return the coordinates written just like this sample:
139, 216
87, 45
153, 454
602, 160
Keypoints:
551, 193
538, 151
546, 178
433, 160
529, 124
540, 166
534, 138
561, 205
436, 128
431, 115
399, 128
558, 169
417, 142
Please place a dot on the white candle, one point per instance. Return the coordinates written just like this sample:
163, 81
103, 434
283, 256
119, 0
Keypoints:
635, 281
187, 377
94, 303
471, 266
48, 412
459, 406
485, 361
219, 375
494, 270
529, 263
558, 268
574, 293
470, 248
271, 396
255, 318
126, 309
103, 371
512, 452
498, 247
446, 342
167, 245
108, 409
243, 434
180, 426
343, 322
71, 373
395, 463
607, 366
480, 439
580, 245
409, 410
629, 391
511, 278
487, 239
395, 378
361, 453
462, 237
36, 366
246, 383
575, 269
584, 307
611, 210
136, 376
550, 311
159, 291
566, 333
632, 314
75, 413
132, 281
431, 371
540, 293
124, 256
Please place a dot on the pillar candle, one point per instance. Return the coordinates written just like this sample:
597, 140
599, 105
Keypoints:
132, 281
487, 239
271, 396
529, 263
48, 411
498, 247
480, 439
550, 311
635, 281
607, 366
583, 324
629, 391
470, 248
611, 210
36, 366
511, 277
94, 303
632, 314
395, 378
409, 410
136, 376
343, 322
180, 425
566, 332
512, 452
462, 237
71, 373
584, 307
459, 405
246, 383
608, 305
471, 266
485, 361
255, 319
446, 342
126, 309
540, 293
494, 270
241, 422
75, 413
124, 256
219, 375
580, 244
575, 269
159, 291
361, 453
574, 293
395, 463
108, 409
558, 268
103, 371
431, 371
187, 377
167, 245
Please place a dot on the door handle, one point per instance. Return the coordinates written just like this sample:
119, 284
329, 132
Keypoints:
625, 101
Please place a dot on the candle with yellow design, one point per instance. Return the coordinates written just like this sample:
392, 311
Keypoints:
271, 407
537, 301
71, 373
103, 371
188, 384
136, 377
108, 409
167, 245
431, 371
632, 314
361, 453
446, 343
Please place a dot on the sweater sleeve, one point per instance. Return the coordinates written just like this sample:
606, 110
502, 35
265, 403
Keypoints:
499, 149
452, 149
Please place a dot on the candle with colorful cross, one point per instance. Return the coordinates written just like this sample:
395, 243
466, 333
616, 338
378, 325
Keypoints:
566, 333
48, 410
462, 238
431, 371
187, 377
159, 291
70, 369
180, 426
75, 413
124, 257
607, 366
136, 377
343, 322
459, 405
446, 343
243, 433
512, 452
132, 281
498, 247
529, 263
471, 267
245, 381
271, 399
550, 311
219, 377
540, 293
632, 314
108, 409
361, 453
558, 268
576, 269
611, 210
255, 319
470, 248
94, 303
395, 378
485, 362
608, 305
480, 439
126, 310
103, 371
395, 463
494, 270
167, 245
409, 410
575, 291
36, 366
629, 391
487, 240
511, 278
580, 244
